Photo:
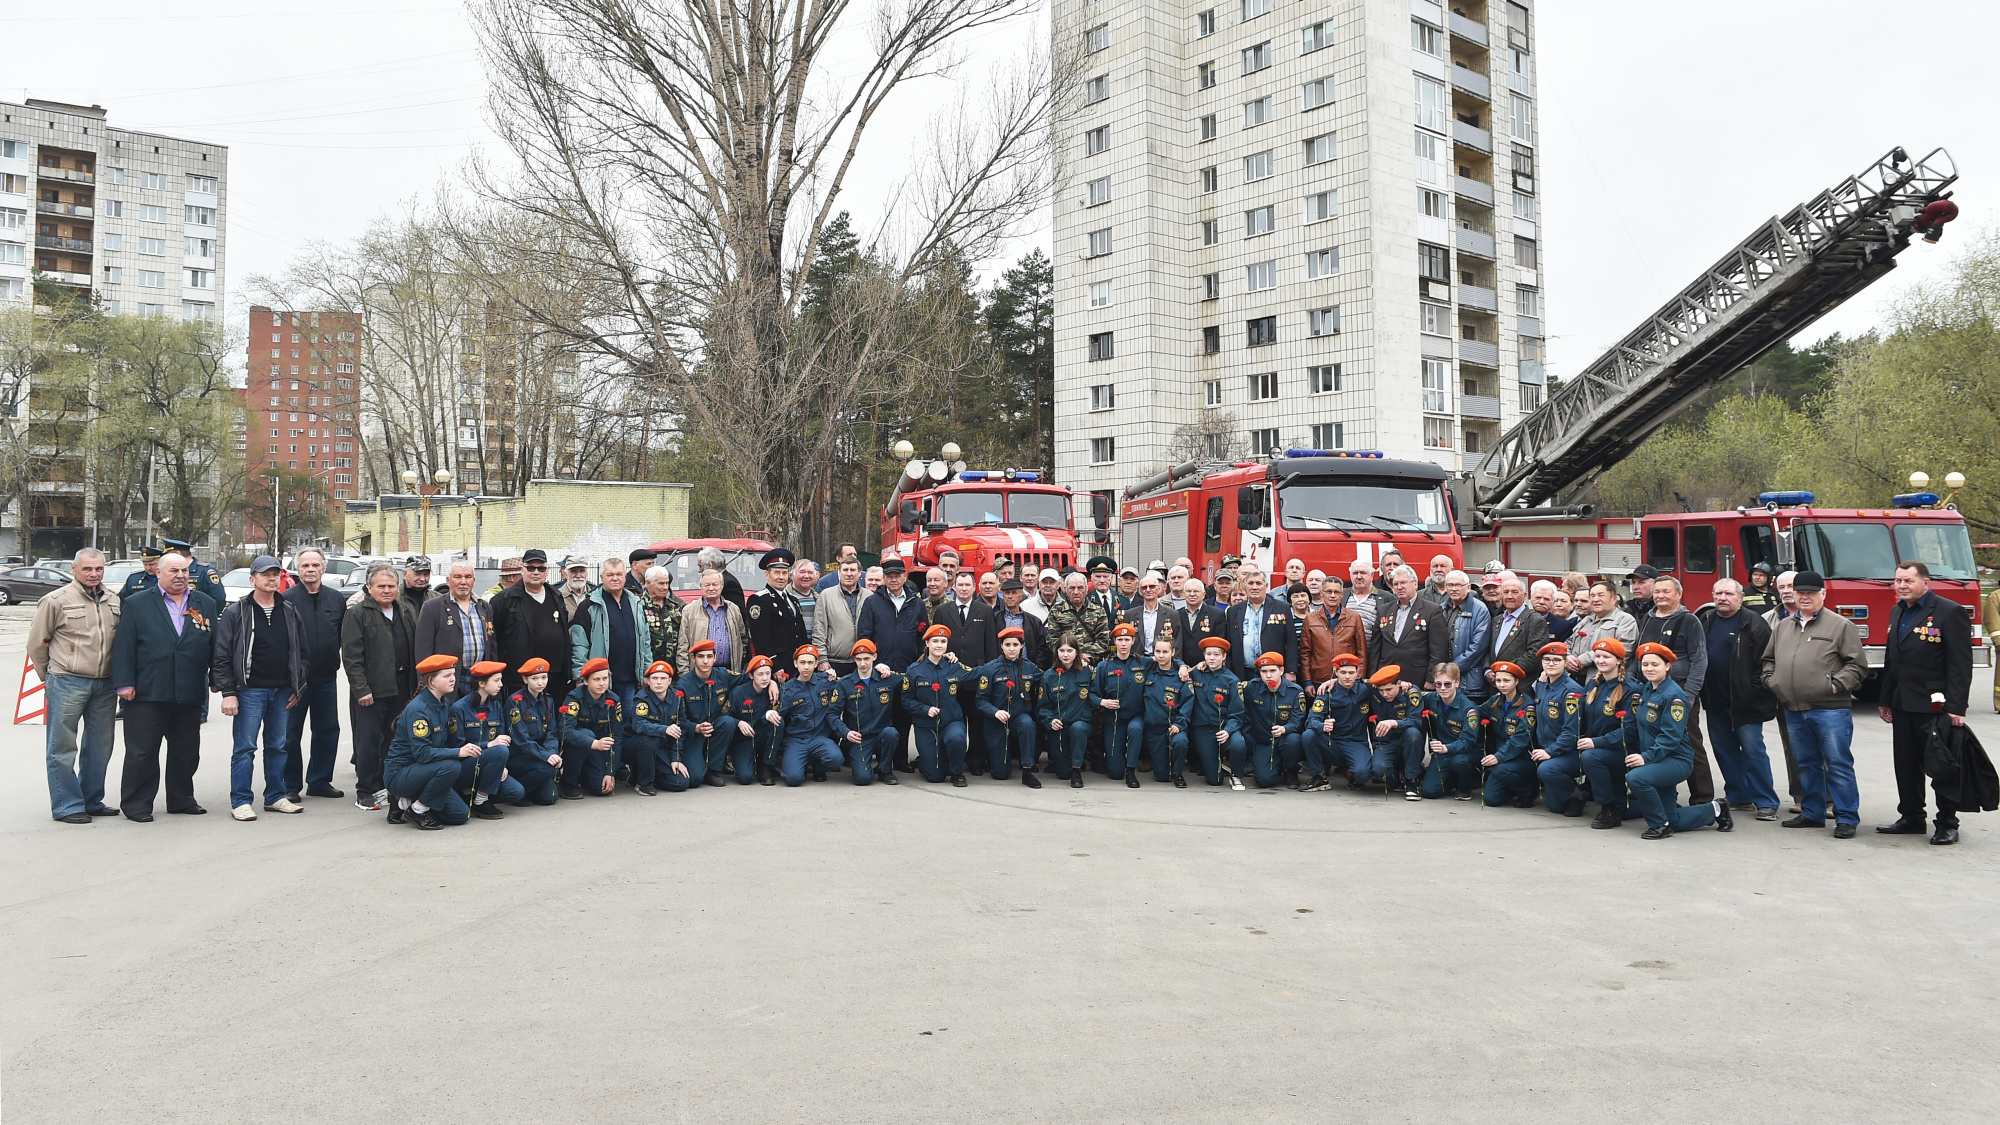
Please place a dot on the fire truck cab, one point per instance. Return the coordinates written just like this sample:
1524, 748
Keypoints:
982, 514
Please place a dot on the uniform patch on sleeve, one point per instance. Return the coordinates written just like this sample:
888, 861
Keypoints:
756, 611
1569, 705
982, 683
420, 729
1678, 711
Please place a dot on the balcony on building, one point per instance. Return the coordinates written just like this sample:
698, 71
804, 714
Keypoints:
1531, 372
1468, 188
1477, 243
1469, 462
79, 210
52, 242
1472, 137
1467, 81
1469, 30
1478, 297
1483, 354
1486, 407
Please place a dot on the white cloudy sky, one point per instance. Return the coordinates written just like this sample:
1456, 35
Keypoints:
1668, 130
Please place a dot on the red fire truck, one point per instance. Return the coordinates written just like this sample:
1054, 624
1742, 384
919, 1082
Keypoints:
982, 514
1325, 507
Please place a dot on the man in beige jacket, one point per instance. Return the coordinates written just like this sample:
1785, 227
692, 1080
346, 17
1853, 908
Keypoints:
70, 645
1814, 666
712, 617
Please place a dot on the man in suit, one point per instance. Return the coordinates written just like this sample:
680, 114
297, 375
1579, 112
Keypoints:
160, 666
1154, 616
1928, 651
1207, 616
1410, 634
974, 641
1257, 625
1518, 632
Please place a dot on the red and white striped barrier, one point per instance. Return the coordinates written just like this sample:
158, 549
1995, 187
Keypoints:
31, 703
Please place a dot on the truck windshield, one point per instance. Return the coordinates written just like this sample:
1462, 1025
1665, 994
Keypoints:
962, 509
1944, 547
1322, 505
1848, 550
1031, 509
1039, 509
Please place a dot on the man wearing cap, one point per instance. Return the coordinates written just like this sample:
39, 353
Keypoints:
1274, 715
591, 726
377, 651
531, 622
1641, 602
1047, 589
478, 719
1395, 721
712, 617
662, 608
836, 622
1102, 571
1670, 624
510, 576
931, 697
457, 625
259, 667
535, 756
1127, 594
1011, 615
639, 563
1258, 625
424, 759
1226, 593
1926, 672
870, 704
808, 715
777, 627
575, 586
321, 612
1814, 665
201, 576
1006, 697
610, 624
416, 586
1154, 618
149, 559
893, 619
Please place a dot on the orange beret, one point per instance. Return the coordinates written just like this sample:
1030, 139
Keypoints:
487, 668
864, 645
1124, 629
1612, 645
1011, 634
1215, 642
1654, 648
701, 646
937, 631
534, 666
805, 650
589, 666
1386, 674
1271, 660
436, 663
1346, 659
1553, 648
659, 666
1508, 667
756, 662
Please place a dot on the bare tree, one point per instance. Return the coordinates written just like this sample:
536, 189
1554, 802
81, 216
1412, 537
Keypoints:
682, 160
1213, 437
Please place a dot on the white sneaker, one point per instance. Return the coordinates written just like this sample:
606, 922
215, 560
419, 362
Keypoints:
284, 805
243, 812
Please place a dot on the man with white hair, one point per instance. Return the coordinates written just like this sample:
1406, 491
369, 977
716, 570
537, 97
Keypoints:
1176, 577
1412, 633
1259, 625
458, 625
1518, 631
1471, 627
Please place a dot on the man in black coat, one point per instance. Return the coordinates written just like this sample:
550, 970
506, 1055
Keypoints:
530, 620
1737, 699
1517, 633
975, 640
1262, 621
776, 623
160, 667
1154, 616
1927, 652
321, 610
1409, 633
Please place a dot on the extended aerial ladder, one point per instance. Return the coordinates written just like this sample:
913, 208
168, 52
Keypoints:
1787, 274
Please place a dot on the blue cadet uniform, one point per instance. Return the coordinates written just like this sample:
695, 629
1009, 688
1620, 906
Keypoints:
1123, 726
479, 724
1164, 703
650, 751
531, 720
582, 721
1513, 723
1601, 718
1456, 724
422, 763
1556, 722
759, 749
705, 699
1264, 708
1398, 755
1656, 730
1066, 698
1346, 747
1007, 685
813, 732
870, 705
1215, 703
940, 739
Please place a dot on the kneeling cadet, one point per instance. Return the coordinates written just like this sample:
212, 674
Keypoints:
808, 712
653, 752
870, 706
479, 720
1557, 760
1656, 733
423, 762
1336, 732
1066, 710
1214, 716
1453, 734
1274, 714
535, 756
592, 727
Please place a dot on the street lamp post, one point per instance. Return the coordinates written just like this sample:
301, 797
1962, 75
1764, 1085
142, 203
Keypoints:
410, 478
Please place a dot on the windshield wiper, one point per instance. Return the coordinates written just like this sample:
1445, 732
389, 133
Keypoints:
1418, 528
1326, 524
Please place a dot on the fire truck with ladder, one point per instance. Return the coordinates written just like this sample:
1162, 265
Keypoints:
982, 514
1520, 506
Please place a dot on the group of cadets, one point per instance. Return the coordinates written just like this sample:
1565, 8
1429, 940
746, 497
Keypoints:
464, 749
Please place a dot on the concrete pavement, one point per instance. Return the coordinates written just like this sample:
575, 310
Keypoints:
927, 954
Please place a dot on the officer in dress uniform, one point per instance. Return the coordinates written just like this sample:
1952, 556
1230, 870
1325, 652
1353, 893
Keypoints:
1274, 715
150, 556
753, 738
653, 751
1121, 710
535, 757
1453, 734
931, 699
777, 625
1336, 731
869, 708
423, 762
1660, 757
1006, 697
706, 732
1510, 776
478, 719
1557, 700
592, 727
808, 712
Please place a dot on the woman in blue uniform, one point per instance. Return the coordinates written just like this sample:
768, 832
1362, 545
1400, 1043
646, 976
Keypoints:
1600, 730
1660, 757
423, 762
1164, 700
1557, 761
930, 698
1006, 701
534, 758
1066, 710
1114, 686
1510, 777
1452, 732
478, 719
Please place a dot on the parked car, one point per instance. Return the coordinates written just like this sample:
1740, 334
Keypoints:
740, 559
115, 573
55, 564
25, 584
236, 584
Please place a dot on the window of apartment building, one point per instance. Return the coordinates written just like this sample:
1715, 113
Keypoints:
1260, 331
1260, 276
1318, 92
1211, 286
1425, 38
1103, 450
1259, 220
1259, 166
112, 241
153, 246
1433, 262
1264, 387
1100, 242
16, 254
153, 279
1531, 398
113, 275
1430, 104
14, 150
1254, 8
1323, 263
1323, 322
153, 181
201, 216
1211, 180
274, 448
1322, 205
1100, 192
1265, 443
1103, 396
1097, 140
1525, 254
200, 183
13, 218
1211, 340
1097, 38
1437, 433
1524, 170
1324, 379
1531, 349
112, 208
1314, 37
1100, 294
1527, 302
201, 279
1207, 127
1211, 393
1524, 206
1430, 163
1522, 120
1211, 232
1433, 320
151, 213
1430, 203
1097, 89
1320, 149
1256, 58
197, 310
1517, 23
1330, 435
1205, 76
1437, 386
1100, 345
1204, 24
148, 309
1471, 440
1257, 112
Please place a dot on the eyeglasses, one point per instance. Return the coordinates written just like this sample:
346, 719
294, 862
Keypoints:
537, 569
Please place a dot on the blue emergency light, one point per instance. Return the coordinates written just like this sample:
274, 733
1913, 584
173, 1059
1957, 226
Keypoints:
1333, 453
1031, 478
1786, 499
989, 474
1915, 500
980, 475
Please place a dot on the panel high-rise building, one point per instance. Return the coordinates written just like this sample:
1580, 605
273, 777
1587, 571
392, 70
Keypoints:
1294, 225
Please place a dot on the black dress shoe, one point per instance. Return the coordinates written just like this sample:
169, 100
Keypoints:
1180, 782
191, 810
1607, 818
489, 809
888, 777
1945, 835
647, 790
1660, 833
1132, 779
1904, 826
1843, 831
714, 779
293, 795
322, 789
84, 818
958, 781
1573, 807
1723, 821
1523, 802
1802, 821
1076, 780
397, 814
426, 821
104, 810
1029, 779
570, 792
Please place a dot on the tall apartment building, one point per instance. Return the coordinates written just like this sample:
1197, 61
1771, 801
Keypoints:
1294, 224
301, 405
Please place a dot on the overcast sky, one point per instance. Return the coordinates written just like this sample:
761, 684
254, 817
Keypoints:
1668, 130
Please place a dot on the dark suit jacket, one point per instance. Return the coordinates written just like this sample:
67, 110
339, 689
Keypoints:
147, 655
1176, 624
973, 633
1275, 636
1530, 633
1206, 620
1425, 643
1928, 648
438, 630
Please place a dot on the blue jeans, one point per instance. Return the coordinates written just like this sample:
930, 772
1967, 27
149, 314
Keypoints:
1823, 742
255, 708
1745, 766
77, 784
321, 703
